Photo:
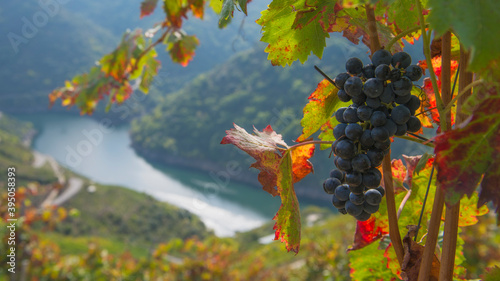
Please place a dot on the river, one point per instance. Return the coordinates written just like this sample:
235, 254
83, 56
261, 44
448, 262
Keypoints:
101, 151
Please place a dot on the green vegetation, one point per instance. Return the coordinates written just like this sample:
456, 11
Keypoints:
120, 214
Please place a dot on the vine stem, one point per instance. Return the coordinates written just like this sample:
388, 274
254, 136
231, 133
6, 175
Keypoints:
429, 144
401, 35
437, 208
428, 59
307, 143
386, 164
453, 212
464, 91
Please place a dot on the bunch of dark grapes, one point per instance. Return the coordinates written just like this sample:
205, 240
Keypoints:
382, 107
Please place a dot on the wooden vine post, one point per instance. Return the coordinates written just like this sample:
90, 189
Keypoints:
386, 164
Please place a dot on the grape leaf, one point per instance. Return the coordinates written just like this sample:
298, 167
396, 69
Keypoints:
287, 227
323, 102
268, 148
369, 263
287, 44
398, 171
280, 167
148, 7
464, 154
475, 23
181, 49
368, 232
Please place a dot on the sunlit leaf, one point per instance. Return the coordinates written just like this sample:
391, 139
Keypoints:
476, 25
182, 50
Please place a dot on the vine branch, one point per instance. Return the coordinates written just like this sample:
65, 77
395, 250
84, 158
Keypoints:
463, 92
309, 142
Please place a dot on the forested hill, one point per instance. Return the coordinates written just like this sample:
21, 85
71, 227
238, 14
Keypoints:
45, 44
187, 126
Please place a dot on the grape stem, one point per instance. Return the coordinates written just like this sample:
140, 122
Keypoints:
401, 35
309, 142
424, 142
464, 91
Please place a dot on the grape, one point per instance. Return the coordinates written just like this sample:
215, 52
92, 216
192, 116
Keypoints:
357, 199
353, 131
413, 124
339, 130
373, 197
339, 114
343, 96
381, 57
361, 162
359, 99
366, 139
391, 127
344, 164
402, 99
339, 204
353, 209
384, 110
383, 72
357, 189
395, 75
342, 192
414, 72
413, 104
354, 178
378, 119
369, 71
373, 87
401, 60
346, 149
388, 95
376, 156
371, 180
353, 86
382, 145
381, 190
338, 174
370, 209
402, 87
364, 216
340, 79
330, 184
373, 103
364, 113
354, 66
350, 115
400, 114
376, 172
380, 134
401, 130
342, 211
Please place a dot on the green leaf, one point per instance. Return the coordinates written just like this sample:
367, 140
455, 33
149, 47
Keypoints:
476, 25
243, 6
227, 9
289, 41
422, 162
216, 5
182, 47
287, 227
323, 102
465, 154
370, 263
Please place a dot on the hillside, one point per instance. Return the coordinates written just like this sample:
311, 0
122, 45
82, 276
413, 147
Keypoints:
187, 126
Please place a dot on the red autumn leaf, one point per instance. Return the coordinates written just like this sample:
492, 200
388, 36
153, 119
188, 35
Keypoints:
148, 7
268, 147
368, 232
398, 170
279, 167
470, 154
182, 49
